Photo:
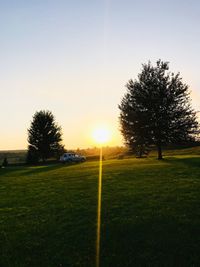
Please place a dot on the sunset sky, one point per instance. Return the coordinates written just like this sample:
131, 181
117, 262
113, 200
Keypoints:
74, 57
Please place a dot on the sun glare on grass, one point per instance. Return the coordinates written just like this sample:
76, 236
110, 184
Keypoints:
101, 135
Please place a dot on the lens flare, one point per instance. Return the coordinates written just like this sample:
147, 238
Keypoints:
99, 211
100, 135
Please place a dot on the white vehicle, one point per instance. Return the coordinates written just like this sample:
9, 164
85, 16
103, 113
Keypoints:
72, 157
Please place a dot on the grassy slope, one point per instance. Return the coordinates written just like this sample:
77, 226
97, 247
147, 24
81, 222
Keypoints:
150, 216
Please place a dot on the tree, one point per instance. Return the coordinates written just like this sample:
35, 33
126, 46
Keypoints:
44, 137
156, 110
5, 162
32, 155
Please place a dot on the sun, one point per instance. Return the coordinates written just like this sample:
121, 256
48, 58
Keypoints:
101, 135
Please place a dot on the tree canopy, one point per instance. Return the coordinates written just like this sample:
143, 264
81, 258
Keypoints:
156, 110
44, 137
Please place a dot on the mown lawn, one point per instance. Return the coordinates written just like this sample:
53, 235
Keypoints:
150, 214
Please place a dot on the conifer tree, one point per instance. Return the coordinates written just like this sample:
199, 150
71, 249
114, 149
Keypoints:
44, 137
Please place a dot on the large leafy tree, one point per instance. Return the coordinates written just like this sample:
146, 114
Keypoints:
44, 137
156, 109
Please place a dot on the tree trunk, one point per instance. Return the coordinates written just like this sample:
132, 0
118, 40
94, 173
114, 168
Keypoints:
140, 152
159, 148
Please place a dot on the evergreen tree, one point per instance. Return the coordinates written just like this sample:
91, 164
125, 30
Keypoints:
44, 137
156, 110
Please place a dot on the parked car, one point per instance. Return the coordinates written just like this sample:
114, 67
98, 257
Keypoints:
72, 157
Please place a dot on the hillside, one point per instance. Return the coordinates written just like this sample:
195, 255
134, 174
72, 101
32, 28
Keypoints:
150, 213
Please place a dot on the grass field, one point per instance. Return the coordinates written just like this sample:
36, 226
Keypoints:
150, 213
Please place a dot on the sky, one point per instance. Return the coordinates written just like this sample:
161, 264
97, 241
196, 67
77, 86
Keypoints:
74, 58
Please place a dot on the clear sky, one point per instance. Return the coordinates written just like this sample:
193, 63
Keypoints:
74, 57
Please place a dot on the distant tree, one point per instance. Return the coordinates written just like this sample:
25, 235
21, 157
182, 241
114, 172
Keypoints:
156, 110
5, 162
44, 137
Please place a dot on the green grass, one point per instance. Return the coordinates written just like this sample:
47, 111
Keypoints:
150, 214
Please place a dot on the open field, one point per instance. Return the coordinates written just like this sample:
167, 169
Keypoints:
13, 156
150, 213
18, 157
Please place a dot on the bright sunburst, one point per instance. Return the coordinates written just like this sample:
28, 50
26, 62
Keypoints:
101, 135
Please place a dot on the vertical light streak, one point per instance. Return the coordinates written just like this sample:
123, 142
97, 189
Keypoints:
99, 211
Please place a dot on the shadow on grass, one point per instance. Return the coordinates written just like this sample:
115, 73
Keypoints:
45, 168
26, 170
153, 242
189, 161
8, 170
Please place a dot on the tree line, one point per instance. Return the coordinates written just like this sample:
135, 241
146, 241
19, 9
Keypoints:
155, 111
